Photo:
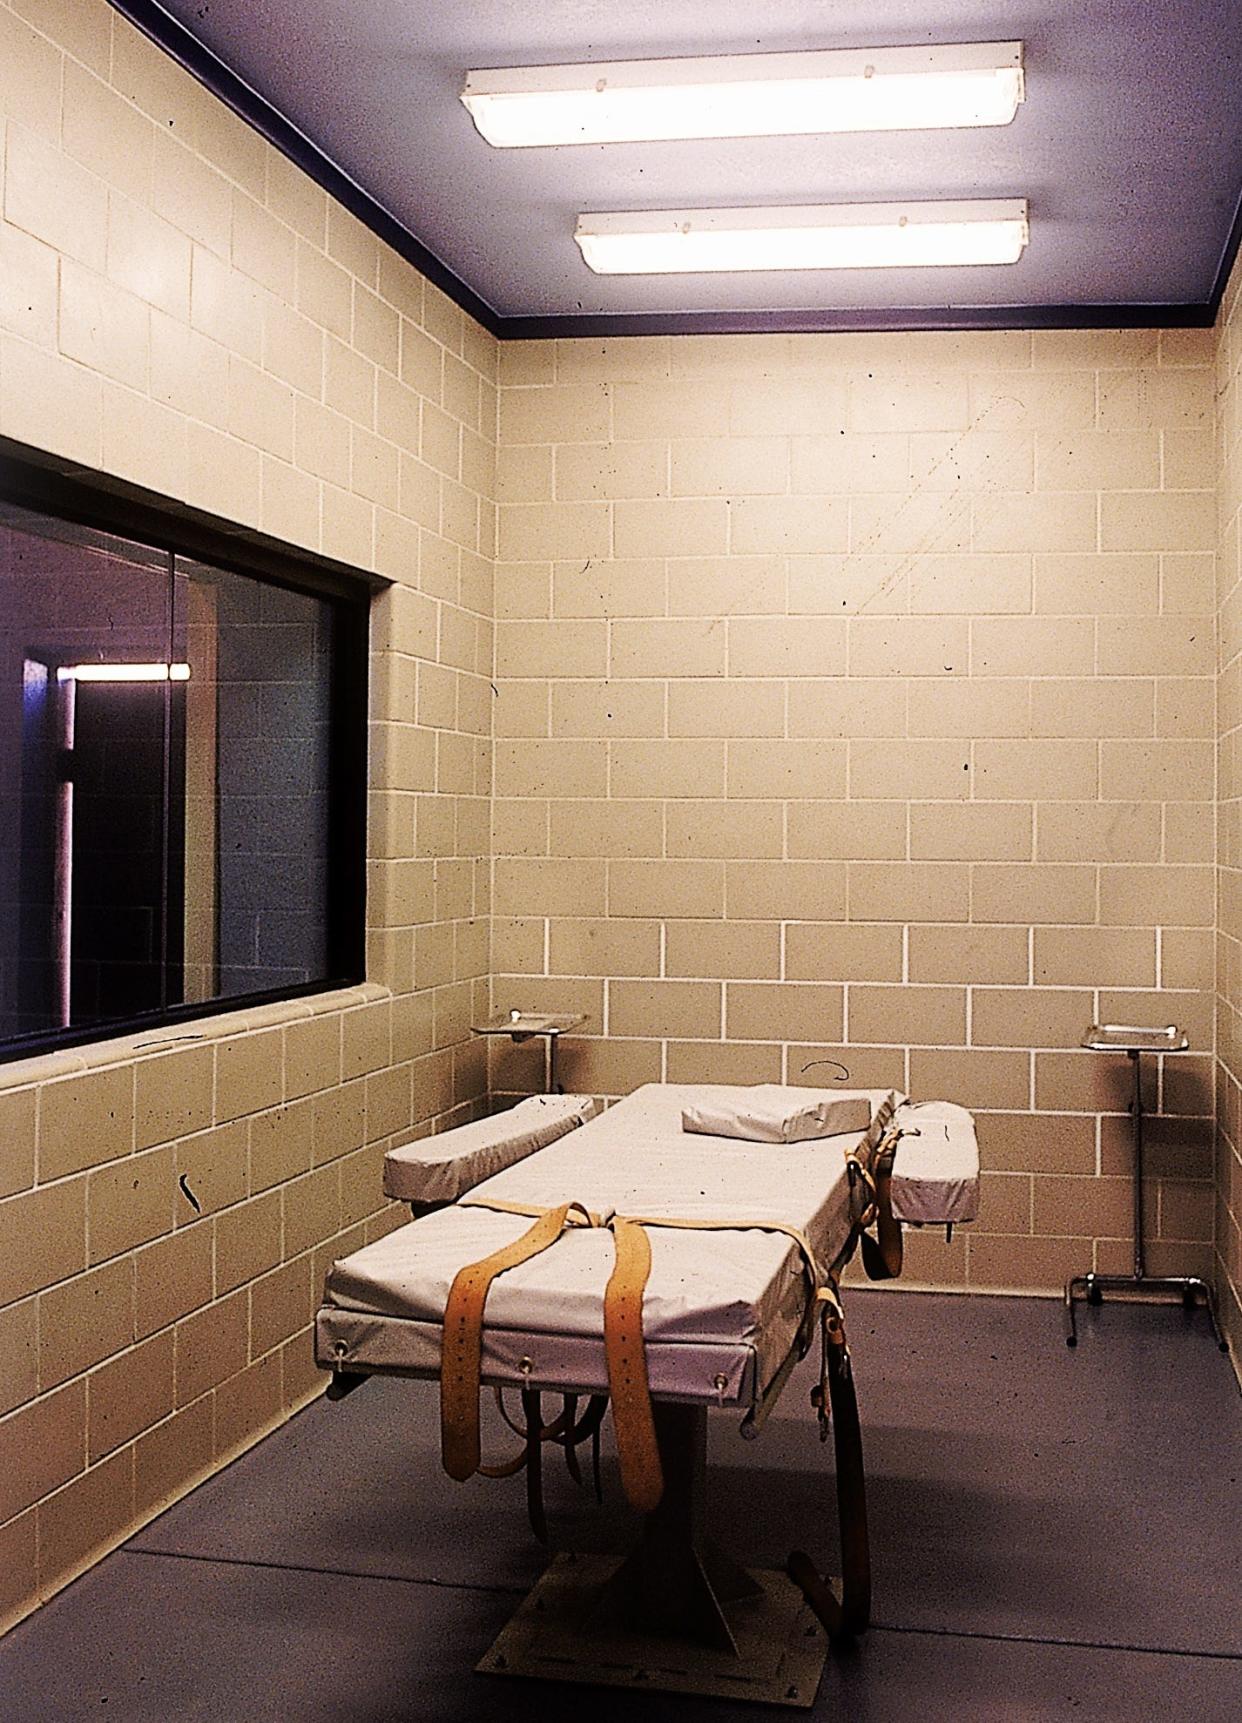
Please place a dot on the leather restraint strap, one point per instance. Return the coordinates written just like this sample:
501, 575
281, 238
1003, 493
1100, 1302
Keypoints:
810, 1266
625, 1349
462, 1343
871, 1183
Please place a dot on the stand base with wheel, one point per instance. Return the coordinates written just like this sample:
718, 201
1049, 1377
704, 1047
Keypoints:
1192, 1289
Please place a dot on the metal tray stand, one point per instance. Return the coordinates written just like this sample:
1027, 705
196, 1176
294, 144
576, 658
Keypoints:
1134, 1041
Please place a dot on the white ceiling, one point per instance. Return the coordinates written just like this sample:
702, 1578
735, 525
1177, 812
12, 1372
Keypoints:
1129, 147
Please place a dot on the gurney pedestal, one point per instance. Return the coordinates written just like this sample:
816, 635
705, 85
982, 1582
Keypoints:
676, 1614
676, 1580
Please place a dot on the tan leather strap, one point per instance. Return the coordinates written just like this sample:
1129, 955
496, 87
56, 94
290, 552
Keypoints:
625, 1350
497, 1206
462, 1343
865, 1163
832, 1333
882, 1255
887, 1226
810, 1266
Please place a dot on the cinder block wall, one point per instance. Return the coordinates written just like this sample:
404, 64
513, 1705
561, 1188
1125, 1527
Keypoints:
181, 307
877, 668
857, 702
1229, 771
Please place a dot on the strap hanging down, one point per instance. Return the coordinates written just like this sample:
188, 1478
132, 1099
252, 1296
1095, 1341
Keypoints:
462, 1347
625, 1351
625, 1348
882, 1255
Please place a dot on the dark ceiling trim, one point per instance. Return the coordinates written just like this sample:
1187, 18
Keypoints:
199, 61
869, 321
1227, 260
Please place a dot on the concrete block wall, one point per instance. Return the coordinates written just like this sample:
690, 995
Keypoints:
1228, 1264
179, 306
857, 703
855, 699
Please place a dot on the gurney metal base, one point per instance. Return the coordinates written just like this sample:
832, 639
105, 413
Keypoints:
678, 1615
676, 1582
572, 1628
1192, 1289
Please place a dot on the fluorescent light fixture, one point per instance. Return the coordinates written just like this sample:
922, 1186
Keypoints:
749, 95
840, 236
123, 673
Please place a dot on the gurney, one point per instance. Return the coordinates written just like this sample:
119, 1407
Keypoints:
619, 1259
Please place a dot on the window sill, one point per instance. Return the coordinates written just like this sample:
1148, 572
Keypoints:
71, 1061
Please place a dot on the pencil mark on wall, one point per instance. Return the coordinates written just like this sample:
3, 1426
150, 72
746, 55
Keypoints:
843, 1069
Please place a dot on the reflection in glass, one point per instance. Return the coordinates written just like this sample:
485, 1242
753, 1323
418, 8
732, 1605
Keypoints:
164, 781
256, 766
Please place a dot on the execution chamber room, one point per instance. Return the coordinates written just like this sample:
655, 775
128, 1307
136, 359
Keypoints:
620, 862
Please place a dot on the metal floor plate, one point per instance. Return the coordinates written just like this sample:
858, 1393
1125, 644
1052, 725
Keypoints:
558, 1634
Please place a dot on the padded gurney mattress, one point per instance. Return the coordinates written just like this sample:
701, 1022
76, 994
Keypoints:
721, 1308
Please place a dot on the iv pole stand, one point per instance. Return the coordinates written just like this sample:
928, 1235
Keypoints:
1134, 1042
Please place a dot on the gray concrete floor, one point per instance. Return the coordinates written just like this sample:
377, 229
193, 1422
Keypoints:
1054, 1534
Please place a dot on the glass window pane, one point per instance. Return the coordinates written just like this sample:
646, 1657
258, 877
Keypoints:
83, 928
257, 730
175, 829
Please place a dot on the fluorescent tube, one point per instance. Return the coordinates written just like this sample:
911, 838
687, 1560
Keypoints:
840, 236
123, 673
749, 95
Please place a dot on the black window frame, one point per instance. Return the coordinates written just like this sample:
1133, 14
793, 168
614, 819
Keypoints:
81, 496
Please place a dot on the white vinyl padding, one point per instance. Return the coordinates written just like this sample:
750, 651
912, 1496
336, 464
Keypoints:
441, 1169
740, 1292
775, 1113
936, 1167
721, 1309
